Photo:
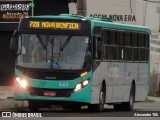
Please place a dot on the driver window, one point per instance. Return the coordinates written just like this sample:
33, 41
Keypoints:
97, 48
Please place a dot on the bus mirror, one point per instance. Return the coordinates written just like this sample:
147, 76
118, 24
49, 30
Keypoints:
14, 42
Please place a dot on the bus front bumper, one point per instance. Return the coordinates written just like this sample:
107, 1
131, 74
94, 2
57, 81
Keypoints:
83, 95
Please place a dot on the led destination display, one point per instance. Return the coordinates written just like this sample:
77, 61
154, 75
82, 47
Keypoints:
54, 25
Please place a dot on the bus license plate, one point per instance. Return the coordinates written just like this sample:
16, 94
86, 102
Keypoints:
49, 93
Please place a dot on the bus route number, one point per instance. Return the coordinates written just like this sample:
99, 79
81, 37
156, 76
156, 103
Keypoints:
34, 24
63, 84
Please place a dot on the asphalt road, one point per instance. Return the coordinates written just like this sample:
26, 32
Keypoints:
108, 111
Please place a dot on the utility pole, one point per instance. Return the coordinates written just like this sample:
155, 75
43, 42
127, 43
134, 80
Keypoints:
82, 7
145, 12
159, 31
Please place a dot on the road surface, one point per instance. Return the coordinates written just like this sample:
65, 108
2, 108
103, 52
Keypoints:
107, 114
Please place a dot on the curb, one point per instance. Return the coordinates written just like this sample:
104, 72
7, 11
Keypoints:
157, 99
6, 92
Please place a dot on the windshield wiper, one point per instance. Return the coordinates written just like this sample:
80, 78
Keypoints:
41, 41
66, 43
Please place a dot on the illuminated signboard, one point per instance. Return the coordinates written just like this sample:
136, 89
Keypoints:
11, 11
54, 25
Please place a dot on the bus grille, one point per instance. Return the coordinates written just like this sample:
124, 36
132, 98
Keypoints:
56, 76
59, 92
46, 74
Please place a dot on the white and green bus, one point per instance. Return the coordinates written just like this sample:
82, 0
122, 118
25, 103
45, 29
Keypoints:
73, 60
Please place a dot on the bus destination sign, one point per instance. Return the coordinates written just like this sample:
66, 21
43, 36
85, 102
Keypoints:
54, 25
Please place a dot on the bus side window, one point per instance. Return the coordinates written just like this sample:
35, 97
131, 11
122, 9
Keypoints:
97, 48
121, 45
128, 46
147, 46
106, 44
113, 45
142, 47
135, 46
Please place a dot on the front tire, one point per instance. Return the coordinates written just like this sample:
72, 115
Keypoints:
98, 107
33, 105
118, 107
72, 107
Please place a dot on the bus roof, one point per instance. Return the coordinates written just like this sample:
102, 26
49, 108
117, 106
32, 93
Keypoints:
104, 22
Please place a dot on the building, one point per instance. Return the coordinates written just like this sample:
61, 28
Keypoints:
137, 12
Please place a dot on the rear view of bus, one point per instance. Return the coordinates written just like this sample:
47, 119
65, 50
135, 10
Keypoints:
53, 61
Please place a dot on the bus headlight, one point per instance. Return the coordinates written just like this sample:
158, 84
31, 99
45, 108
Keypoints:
78, 87
85, 82
22, 82
81, 85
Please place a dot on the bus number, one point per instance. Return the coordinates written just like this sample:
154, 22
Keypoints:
34, 24
63, 84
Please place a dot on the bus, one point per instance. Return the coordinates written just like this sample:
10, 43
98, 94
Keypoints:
71, 60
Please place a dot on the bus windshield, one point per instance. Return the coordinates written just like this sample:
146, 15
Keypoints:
54, 52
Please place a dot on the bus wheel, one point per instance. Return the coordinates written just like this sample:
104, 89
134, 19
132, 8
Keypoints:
118, 107
33, 105
129, 105
75, 107
66, 107
98, 107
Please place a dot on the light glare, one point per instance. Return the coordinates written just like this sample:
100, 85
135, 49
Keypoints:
85, 82
18, 79
78, 87
23, 83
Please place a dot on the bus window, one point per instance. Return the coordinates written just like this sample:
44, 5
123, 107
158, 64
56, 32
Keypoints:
113, 45
142, 54
128, 43
97, 48
121, 53
136, 54
135, 38
121, 44
112, 37
106, 51
113, 53
106, 37
120, 38
128, 54
106, 42
128, 38
142, 40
